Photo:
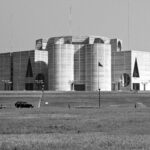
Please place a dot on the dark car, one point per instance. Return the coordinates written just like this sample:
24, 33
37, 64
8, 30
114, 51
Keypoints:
2, 106
21, 104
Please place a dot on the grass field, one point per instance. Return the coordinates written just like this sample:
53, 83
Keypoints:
116, 125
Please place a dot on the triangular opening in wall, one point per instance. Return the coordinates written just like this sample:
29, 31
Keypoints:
100, 64
136, 70
29, 72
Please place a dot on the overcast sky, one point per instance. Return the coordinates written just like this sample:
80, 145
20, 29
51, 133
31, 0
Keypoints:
24, 21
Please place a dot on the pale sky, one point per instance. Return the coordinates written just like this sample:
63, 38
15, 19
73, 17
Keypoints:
24, 21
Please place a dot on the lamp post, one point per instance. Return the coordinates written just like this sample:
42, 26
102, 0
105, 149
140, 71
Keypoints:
71, 83
41, 82
144, 83
99, 98
7, 84
42, 91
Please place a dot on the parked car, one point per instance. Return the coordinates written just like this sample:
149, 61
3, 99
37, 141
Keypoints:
21, 104
2, 106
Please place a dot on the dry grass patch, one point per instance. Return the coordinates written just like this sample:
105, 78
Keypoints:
94, 141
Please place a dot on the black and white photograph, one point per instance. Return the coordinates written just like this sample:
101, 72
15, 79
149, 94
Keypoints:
74, 75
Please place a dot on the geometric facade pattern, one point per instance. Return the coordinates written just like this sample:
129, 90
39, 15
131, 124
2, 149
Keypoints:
73, 63
80, 63
136, 70
29, 72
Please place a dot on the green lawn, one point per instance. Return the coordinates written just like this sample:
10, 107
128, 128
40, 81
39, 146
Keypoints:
116, 125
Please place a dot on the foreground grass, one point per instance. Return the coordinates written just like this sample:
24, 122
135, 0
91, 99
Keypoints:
111, 127
116, 125
112, 120
88, 141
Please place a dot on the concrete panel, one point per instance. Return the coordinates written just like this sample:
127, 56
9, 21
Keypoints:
143, 62
121, 63
61, 67
98, 76
79, 64
20, 62
5, 71
41, 67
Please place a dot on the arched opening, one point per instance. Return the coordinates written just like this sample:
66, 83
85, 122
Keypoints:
68, 41
39, 44
98, 41
119, 46
39, 81
125, 79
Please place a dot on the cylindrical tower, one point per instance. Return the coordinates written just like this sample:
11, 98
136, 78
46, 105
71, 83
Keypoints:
98, 67
61, 67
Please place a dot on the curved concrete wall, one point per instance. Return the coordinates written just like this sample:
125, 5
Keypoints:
61, 67
98, 76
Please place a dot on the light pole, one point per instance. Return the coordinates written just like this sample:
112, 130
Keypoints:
7, 84
144, 83
42, 91
99, 98
71, 83
41, 82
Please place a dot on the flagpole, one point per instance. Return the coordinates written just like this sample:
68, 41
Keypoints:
99, 65
98, 77
98, 85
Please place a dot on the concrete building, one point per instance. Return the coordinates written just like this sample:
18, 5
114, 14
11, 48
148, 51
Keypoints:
6, 71
29, 68
73, 63
79, 63
131, 71
24, 70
